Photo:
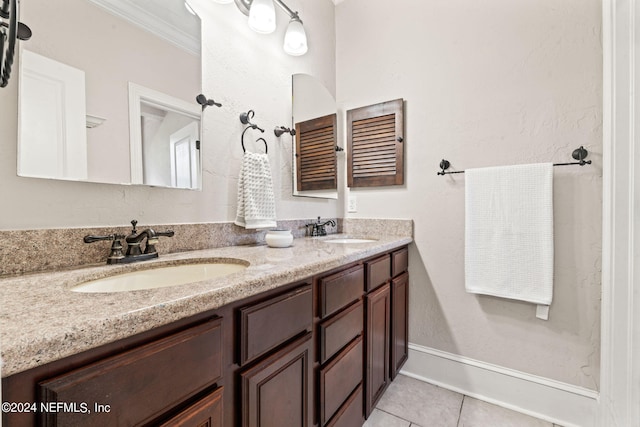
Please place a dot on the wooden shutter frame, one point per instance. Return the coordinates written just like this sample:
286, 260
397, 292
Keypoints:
330, 183
395, 107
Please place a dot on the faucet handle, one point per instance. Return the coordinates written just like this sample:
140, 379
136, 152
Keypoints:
152, 240
91, 239
134, 222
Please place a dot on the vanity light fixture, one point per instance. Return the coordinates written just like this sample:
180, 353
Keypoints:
262, 19
262, 16
295, 39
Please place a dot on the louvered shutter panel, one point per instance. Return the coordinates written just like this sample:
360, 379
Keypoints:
316, 154
375, 139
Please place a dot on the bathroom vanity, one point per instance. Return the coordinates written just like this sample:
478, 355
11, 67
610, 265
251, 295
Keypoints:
305, 336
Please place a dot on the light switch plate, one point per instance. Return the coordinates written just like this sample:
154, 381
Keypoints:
352, 205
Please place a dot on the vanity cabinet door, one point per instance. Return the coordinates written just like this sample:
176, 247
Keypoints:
399, 323
206, 412
276, 391
378, 304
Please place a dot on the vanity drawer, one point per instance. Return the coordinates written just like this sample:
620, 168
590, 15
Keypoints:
378, 272
205, 412
338, 331
339, 379
399, 262
351, 413
266, 325
340, 289
139, 384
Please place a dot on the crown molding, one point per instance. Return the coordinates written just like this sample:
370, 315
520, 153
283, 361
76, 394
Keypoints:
133, 13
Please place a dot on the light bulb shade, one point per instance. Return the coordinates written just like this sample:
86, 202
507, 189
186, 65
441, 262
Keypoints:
223, 1
262, 16
295, 39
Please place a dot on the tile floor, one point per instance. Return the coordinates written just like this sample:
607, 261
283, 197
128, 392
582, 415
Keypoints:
412, 403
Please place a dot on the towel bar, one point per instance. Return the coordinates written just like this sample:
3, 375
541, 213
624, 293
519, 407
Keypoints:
579, 154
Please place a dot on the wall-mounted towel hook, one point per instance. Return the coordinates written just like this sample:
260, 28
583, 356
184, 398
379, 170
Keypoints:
245, 119
202, 100
279, 130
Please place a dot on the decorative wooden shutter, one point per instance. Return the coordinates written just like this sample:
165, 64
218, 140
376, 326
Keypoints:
375, 139
316, 154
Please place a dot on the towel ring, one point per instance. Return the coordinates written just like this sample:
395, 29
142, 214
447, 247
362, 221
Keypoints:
266, 147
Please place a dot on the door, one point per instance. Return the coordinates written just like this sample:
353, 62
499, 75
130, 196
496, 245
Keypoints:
184, 157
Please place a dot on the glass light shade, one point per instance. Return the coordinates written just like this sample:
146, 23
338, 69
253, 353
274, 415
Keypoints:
262, 16
223, 1
295, 39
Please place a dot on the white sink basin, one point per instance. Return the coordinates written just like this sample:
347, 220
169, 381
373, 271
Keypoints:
349, 240
160, 277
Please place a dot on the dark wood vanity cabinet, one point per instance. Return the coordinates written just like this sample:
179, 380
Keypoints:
399, 323
206, 412
340, 346
386, 306
378, 344
138, 386
317, 353
277, 389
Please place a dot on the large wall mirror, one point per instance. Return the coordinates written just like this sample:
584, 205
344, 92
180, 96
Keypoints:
314, 145
86, 63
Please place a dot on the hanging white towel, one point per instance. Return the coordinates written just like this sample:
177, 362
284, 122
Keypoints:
256, 201
509, 233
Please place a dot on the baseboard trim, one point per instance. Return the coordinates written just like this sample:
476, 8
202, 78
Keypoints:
550, 400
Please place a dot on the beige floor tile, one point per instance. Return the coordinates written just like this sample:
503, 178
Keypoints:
476, 413
421, 403
382, 419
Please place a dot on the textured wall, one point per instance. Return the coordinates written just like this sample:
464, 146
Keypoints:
241, 69
487, 83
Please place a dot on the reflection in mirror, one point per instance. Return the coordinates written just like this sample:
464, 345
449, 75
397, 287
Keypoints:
314, 110
74, 83
165, 139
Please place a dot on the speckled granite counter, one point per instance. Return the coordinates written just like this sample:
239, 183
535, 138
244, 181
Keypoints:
41, 320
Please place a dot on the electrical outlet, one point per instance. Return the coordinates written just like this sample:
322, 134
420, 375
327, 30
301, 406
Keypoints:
352, 204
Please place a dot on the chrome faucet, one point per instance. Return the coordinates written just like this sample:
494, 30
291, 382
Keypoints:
134, 240
318, 228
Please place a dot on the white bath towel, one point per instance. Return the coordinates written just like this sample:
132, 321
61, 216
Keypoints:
509, 233
256, 201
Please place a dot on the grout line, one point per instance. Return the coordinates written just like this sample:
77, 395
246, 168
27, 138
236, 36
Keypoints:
460, 412
394, 415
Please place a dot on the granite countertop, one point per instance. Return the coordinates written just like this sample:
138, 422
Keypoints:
41, 320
